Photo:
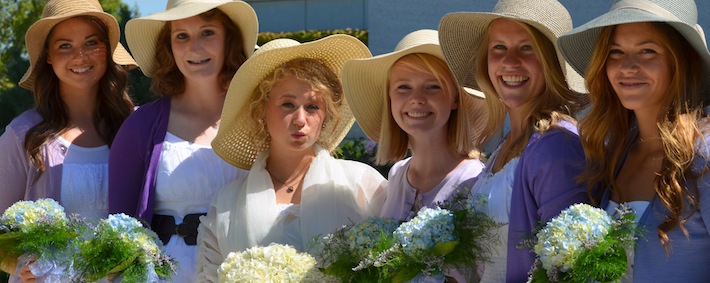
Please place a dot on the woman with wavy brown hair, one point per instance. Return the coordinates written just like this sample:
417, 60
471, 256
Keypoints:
162, 168
60, 148
645, 136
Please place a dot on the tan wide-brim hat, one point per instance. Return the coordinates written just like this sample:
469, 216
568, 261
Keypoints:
142, 33
57, 11
577, 45
461, 34
232, 142
365, 80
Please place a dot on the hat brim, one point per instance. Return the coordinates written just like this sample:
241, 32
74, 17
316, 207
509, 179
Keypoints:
461, 35
142, 33
577, 45
37, 33
232, 142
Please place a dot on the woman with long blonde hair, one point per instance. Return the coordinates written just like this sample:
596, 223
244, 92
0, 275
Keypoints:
510, 55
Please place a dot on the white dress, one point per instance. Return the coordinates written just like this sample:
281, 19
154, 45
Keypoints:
188, 176
497, 189
85, 181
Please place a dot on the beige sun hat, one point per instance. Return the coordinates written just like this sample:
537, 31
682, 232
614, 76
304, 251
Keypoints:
365, 80
142, 33
578, 44
232, 143
461, 34
56, 11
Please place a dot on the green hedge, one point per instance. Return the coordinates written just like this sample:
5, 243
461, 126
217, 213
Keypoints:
310, 35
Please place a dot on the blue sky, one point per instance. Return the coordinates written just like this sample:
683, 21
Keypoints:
147, 7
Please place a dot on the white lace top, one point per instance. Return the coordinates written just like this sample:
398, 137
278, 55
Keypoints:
188, 176
85, 181
498, 190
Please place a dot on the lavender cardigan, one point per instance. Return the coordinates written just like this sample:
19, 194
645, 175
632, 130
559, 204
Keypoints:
545, 183
133, 162
688, 259
18, 176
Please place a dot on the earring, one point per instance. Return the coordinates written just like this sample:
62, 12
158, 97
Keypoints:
322, 126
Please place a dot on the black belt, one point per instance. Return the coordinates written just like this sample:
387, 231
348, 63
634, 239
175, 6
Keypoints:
164, 226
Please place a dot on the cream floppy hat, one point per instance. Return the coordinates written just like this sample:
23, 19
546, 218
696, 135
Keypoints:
56, 11
142, 33
365, 80
232, 143
577, 45
461, 34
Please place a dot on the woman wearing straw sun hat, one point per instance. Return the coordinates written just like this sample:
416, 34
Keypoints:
409, 100
510, 54
60, 148
284, 114
646, 135
162, 167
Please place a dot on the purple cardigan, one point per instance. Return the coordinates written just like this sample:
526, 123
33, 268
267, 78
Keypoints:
545, 183
133, 162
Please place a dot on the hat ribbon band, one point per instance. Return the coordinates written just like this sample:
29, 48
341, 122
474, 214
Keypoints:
654, 9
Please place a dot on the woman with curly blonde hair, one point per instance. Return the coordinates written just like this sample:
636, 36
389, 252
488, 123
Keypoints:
646, 134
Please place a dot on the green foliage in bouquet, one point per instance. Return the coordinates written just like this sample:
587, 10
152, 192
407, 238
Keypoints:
39, 228
452, 236
592, 249
121, 245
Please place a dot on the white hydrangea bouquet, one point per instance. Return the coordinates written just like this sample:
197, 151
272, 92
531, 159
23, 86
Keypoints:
273, 263
583, 244
120, 245
39, 234
451, 236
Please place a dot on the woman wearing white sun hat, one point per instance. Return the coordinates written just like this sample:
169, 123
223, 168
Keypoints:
163, 169
60, 148
388, 94
510, 54
646, 135
284, 115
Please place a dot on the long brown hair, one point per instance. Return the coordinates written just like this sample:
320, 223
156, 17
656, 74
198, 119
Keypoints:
169, 81
606, 129
113, 104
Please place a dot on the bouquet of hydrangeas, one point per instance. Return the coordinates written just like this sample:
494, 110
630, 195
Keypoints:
274, 263
583, 244
451, 236
121, 245
39, 233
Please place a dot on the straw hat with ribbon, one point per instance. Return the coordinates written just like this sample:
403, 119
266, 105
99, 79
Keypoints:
56, 11
578, 44
232, 142
461, 34
142, 33
365, 80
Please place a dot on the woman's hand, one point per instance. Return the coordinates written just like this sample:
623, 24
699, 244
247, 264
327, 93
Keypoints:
26, 275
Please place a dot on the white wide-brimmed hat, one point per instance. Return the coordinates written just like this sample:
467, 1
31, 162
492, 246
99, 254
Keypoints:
56, 11
461, 34
232, 142
578, 44
142, 33
365, 80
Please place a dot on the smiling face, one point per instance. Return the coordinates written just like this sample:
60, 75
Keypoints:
77, 53
639, 66
421, 104
513, 66
294, 115
198, 47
